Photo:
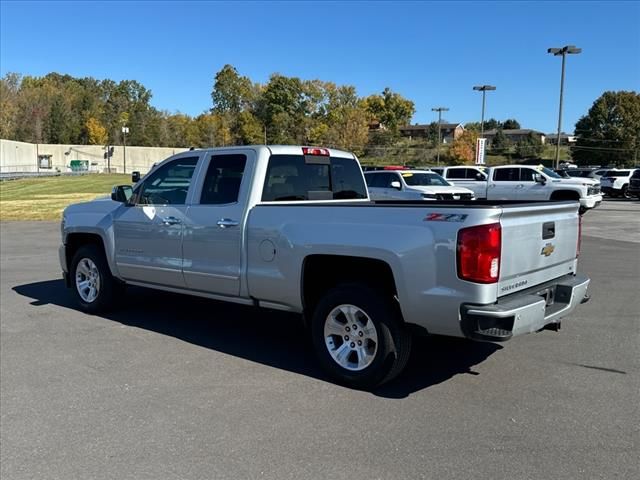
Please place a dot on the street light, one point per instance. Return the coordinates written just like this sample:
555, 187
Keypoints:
439, 110
568, 49
483, 89
125, 130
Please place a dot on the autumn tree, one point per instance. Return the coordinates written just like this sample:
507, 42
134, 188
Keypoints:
97, 133
462, 150
391, 109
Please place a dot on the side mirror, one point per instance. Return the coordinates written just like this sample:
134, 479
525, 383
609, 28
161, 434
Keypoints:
480, 177
396, 184
135, 177
539, 178
121, 193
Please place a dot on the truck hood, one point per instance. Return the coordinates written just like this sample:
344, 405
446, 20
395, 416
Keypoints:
102, 205
576, 181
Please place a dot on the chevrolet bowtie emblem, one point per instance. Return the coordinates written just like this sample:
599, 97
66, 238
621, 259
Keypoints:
547, 249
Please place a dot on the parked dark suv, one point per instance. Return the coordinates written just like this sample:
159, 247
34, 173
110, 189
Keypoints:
634, 185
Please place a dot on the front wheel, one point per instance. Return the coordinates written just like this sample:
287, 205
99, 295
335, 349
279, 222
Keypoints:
94, 287
358, 336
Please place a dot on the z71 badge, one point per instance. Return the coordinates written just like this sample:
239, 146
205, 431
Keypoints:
445, 217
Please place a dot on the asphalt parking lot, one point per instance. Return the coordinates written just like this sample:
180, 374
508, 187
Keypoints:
176, 387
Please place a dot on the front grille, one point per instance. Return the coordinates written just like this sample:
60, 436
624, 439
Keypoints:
449, 196
593, 190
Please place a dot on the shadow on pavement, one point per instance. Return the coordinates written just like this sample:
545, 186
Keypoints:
267, 337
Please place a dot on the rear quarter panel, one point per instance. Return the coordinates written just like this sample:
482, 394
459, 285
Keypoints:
421, 254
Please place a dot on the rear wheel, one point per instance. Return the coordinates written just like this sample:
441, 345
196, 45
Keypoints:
94, 287
625, 192
358, 336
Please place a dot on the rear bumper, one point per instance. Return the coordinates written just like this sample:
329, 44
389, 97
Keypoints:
524, 312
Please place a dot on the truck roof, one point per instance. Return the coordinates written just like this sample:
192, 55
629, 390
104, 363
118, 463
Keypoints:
279, 150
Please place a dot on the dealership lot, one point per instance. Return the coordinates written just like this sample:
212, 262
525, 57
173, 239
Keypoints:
179, 387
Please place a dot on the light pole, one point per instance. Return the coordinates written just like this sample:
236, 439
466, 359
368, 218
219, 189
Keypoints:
568, 49
439, 110
125, 130
483, 89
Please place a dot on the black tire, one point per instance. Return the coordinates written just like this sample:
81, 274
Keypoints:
394, 341
110, 289
625, 193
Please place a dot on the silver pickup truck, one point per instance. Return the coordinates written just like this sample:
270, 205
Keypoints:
292, 228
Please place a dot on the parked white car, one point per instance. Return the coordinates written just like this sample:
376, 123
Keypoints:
413, 185
615, 183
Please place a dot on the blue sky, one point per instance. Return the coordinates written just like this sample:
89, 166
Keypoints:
430, 52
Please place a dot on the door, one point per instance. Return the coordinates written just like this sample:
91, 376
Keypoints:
470, 178
148, 233
530, 189
212, 243
379, 185
504, 184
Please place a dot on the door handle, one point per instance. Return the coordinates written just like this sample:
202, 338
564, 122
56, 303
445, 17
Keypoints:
227, 222
171, 221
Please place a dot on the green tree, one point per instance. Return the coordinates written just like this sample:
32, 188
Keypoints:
610, 132
232, 93
529, 147
510, 124
500, 141
9, 91
491, 124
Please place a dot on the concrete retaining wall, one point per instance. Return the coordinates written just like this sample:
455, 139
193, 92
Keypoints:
23, 157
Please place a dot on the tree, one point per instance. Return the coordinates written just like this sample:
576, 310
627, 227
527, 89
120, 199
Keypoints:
463, 148
9, 90
610, 132
231, 92
529, 147
511, 124
491, 124
391, 109
97, 134
500, 141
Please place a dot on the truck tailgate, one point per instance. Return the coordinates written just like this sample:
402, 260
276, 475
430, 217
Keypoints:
539, 243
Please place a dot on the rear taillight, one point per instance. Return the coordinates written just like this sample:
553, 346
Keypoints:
479, 253
579, 236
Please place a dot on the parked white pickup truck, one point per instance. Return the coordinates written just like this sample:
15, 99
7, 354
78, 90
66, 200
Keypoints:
523, 182
292, 228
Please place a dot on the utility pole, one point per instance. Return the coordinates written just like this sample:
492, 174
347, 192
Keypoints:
483, 89
439, 110
125, 130
568, 49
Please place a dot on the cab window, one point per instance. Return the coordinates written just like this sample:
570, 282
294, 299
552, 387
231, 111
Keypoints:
223, 179
168, 185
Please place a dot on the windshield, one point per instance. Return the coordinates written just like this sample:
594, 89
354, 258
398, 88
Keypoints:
617, 173
548, 172
424, 179
579, 173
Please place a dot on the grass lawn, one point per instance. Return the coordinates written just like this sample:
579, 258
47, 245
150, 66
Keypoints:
45, 198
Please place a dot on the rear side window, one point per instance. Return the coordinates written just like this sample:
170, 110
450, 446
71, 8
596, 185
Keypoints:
223, 178
290, 177
617, 173
380, 180
506, 175
457, 173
